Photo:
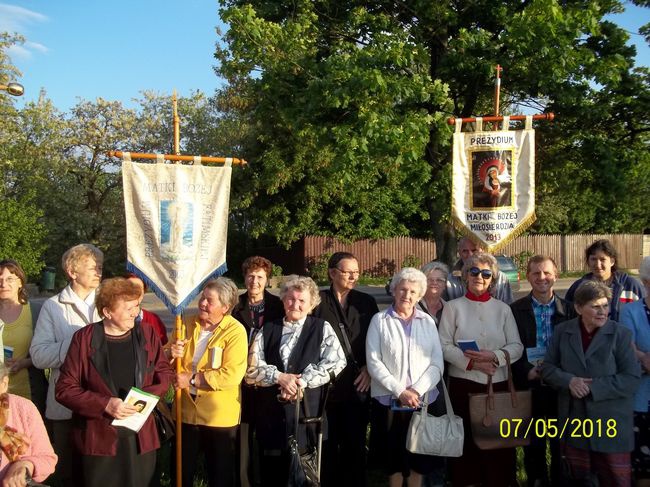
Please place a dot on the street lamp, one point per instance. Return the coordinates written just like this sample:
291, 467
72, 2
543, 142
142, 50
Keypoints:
14, 89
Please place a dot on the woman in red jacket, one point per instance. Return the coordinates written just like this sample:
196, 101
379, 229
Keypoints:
105, 360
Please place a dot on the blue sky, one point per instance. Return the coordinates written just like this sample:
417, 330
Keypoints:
114, 49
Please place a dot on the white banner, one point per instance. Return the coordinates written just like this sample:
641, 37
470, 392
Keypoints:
493, 188
176, 226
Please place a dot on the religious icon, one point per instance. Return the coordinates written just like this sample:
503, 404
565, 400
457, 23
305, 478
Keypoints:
491, 179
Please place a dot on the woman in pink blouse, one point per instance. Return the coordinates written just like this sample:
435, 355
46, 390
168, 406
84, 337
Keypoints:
26, 452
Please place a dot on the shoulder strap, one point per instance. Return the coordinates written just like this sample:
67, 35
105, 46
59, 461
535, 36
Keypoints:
343, 336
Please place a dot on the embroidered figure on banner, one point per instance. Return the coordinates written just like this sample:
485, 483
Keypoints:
492, 180
176, 230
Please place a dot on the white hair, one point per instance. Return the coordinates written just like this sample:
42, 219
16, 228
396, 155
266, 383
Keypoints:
410, 274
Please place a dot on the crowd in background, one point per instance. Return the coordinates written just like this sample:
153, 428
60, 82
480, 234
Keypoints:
315, 370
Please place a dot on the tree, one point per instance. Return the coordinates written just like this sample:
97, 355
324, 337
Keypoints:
345, 102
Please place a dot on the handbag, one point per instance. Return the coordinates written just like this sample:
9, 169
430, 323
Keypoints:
303, 467
441, 436
487, 413
164, 422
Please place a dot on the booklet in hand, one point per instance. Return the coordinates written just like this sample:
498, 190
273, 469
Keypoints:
144, 402
466, 345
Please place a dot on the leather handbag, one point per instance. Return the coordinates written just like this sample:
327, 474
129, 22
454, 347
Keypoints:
165, 423
501, 419
304, 467
441, 436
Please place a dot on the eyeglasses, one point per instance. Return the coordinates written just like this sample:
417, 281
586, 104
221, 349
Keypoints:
437, 280
349, 273
485, 273
9, 281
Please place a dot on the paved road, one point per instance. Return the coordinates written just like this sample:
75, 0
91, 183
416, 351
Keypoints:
152, 303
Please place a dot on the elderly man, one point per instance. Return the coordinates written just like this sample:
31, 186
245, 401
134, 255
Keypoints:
455, 286
536, 315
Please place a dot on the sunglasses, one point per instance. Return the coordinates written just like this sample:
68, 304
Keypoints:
485, 273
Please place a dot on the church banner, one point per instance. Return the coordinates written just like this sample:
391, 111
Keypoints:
493, 183
176, 226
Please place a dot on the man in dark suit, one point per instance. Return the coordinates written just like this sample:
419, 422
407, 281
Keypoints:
349, 312
536, 315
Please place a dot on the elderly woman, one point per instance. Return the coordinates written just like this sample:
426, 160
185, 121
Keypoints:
17, 318
104, 362
298, 354
489, 322
25, 448
256, 307
432, 302
148, 318
61, 316
601, 257
213, 360
592, 364
636, 317
404, 361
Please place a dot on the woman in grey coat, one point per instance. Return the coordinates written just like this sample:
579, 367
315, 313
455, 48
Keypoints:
592, 364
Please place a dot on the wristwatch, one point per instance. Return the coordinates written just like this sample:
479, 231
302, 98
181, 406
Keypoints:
193, 380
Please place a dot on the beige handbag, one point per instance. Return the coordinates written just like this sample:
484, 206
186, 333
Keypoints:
501, 419
441, 436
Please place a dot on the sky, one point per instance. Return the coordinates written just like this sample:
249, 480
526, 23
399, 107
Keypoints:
117, 48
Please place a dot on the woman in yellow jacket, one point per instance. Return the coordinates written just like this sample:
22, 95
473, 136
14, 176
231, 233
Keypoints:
214, 363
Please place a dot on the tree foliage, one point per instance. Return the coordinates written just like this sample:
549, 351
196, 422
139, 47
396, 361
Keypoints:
344, 105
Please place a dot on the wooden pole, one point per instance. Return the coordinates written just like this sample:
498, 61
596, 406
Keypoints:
174, 157
180, 335
542, 116
177, 126
497, 90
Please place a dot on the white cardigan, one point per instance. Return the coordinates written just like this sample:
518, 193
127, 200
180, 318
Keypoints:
490, 323
387, 360
58, 320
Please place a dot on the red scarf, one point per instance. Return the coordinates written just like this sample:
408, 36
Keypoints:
481, 299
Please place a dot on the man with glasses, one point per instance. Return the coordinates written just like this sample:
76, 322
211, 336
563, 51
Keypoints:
456, 288
349, 311
537, 315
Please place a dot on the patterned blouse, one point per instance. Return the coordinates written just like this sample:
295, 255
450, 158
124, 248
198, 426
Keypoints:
332, 358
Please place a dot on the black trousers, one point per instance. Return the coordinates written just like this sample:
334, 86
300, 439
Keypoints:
217, 445
544, 406
344, 451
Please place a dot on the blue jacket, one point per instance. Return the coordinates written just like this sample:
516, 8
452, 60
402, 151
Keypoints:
634, 318
625, 289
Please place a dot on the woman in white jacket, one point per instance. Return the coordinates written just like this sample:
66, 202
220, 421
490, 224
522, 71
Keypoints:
404, 361
61, 316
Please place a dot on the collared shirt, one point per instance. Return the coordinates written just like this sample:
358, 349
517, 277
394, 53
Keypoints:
332, 357
86, 306
544, 318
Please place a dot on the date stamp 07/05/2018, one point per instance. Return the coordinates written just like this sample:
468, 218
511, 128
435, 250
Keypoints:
551, 428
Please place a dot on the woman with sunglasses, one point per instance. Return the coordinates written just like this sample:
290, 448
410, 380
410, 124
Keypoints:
489, 322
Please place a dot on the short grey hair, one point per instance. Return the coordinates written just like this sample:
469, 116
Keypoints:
485, 259
74, 255
591, 290
226, 290
410, 274
301, 283
435, 266
644, 269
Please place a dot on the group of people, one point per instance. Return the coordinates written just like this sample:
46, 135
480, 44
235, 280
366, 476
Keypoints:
320, 366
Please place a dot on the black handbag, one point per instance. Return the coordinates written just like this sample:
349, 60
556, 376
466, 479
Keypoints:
164, 422
303, 467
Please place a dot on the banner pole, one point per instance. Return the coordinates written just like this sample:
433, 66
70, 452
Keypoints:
180, 335
497, 91
179, 326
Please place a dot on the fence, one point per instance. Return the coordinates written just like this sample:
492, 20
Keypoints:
384, 257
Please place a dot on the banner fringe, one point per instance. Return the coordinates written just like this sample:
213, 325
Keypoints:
175, 309
466, 232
